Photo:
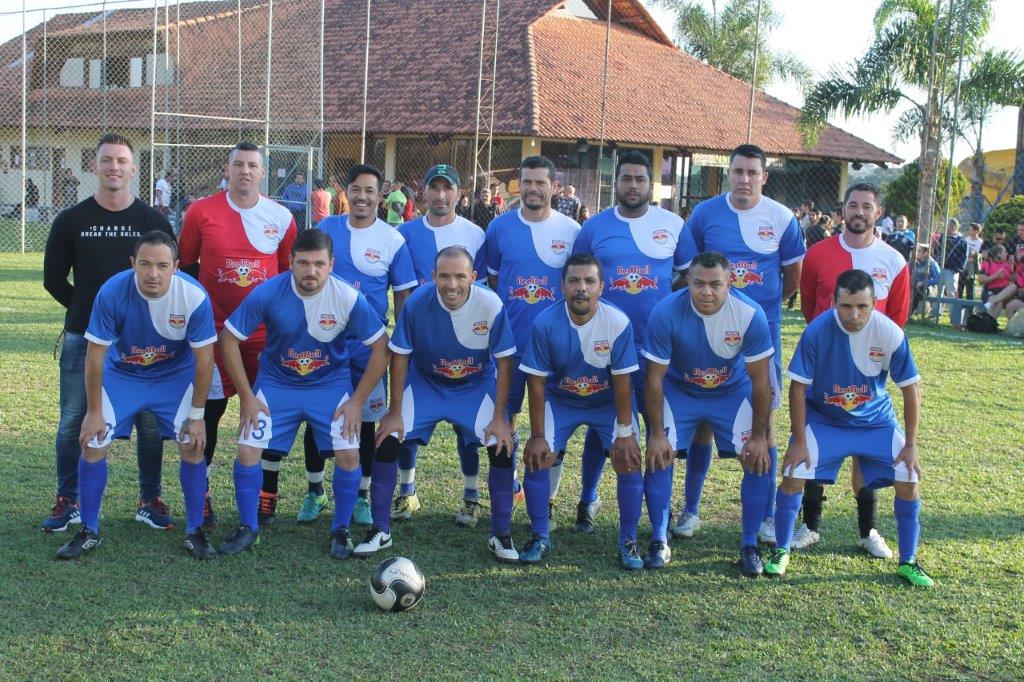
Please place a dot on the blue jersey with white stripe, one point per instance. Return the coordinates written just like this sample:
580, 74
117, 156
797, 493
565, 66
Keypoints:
425, 241
846, 371
306, 334
527, 259
707, 354
579, 360
151, 338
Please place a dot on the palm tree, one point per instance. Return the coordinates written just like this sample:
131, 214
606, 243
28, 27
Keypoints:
725, 40
897, 69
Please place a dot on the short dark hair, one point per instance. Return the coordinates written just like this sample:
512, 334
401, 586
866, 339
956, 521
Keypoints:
711, 259
155, 238
115, 138
863, 187
364, 169
453, 252
582, 259
319, 183
853, 281
1000, 230
313, 240
243, 146
751, 151
539, 161
636, 158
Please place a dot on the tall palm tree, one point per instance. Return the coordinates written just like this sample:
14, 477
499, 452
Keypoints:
896, 70
725, 40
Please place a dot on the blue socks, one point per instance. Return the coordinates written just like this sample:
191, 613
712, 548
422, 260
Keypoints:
630, 492
786, 509
469, 462
92, 481
773, 454
698, 462
753, 498
346, 490
593, 464
908, 527
193, 488
499, 483
538, 492
382, 489
407, 463
658, 491
248, 481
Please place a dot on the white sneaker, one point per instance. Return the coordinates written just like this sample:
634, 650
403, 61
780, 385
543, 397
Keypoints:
804, 537
766, 533
375, 541
688, 525
874, 544
503, 549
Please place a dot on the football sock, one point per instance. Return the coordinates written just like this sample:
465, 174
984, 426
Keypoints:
555, 472
753, 494
407, 468
786, 508
658, 491
867, 509
382, 489
248, 480
193, 488
593, 465
499, 483
367, 448
315, 481
470, 490
908, 527
469, 460
271, 472
538, 492
211, 417
769, 506
814, 498
698, 462
630, 492
346, 490
92, 481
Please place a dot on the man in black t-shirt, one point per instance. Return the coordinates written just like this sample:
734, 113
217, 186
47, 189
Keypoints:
92, 241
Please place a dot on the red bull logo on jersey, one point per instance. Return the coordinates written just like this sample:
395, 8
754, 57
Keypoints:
602, 347
176, 321
732, 338
744, 273
271, 231
480, 327
241, 272
583, 386
557, 247
880, 275
875, 354
372, 256
376, 404
765, 233
709, 377
305, 362
660, 236
460, 368
531, 290
144, 357
328, 321
848, 397
633, 279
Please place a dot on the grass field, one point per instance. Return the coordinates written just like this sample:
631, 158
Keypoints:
138, 607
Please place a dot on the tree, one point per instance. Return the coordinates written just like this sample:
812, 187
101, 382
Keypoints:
900, 67
725, 40
1007, 215
901, 195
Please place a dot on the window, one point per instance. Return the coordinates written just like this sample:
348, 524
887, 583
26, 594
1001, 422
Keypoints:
119, 72
36, 158
95, 73
72, 74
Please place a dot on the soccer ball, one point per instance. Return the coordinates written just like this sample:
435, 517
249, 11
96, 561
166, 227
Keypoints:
396, 584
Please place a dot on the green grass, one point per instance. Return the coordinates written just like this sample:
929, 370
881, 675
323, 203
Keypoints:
138, 607
10, 235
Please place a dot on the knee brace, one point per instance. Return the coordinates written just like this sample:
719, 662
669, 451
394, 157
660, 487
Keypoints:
500, 460
387, 451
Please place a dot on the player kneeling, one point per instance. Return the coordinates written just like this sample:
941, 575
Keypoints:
150, 340
303, 376
839, 407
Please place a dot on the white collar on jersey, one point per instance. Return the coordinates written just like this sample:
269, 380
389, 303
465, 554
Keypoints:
728, 202
839, 323
851, 249
712, 315
625, 219
437, 292
135, 281
304, 297
586, 324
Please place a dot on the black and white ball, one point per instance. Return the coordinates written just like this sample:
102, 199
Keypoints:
396, 584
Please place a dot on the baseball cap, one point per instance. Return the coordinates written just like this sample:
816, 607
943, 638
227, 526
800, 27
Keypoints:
442, 170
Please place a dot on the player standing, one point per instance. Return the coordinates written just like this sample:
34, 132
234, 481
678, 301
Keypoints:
303, 376
764, 245
641, 249
239, 239
151, 341
709, 351
839, 407
525, 252
579, 358
444, 342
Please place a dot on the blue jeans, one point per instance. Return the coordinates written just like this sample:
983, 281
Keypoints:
149, 446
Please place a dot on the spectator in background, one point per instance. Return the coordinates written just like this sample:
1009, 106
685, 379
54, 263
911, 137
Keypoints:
339, 200
951, 250
294, 197
484, 211
395, 203
886, 225
162, 193
569, 204
1015, 247
998, 239
974, 244
31, 194
585, 213
995, 272
497, 199
926, 276
806, 215
319, 201
838, 222
819, 231
464, 209
68, 189
902, 238
223, 184
410, 203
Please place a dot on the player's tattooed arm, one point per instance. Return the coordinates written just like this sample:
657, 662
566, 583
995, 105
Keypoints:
659, 451
537, 454
250, 406
392, 422
797, 453
93, 425
754, 456
911, 418
499, 428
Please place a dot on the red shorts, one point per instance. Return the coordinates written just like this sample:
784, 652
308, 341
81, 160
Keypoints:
221, 387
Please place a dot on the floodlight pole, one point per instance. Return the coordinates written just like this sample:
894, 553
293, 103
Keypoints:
604, 100
952, 137
152, 104
24, 118
320, 161
753, 73
366, 81
238, 55
270, 64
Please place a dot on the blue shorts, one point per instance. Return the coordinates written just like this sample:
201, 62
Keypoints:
775, 377
289, 407
561, 421
168, 398
876, 448
730, 417
376, 404
426, 403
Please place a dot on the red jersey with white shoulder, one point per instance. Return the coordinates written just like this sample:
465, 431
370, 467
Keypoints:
237, 248
828, 259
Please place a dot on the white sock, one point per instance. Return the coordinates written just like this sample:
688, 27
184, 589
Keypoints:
364, 483
406, 476
469, 482
315, 476
555, 473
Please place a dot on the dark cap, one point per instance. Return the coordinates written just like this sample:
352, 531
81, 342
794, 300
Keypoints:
441, 170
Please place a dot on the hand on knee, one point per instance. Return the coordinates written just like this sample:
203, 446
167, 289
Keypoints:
501, 460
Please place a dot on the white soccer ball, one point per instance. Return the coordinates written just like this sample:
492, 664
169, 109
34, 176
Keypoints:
396, 584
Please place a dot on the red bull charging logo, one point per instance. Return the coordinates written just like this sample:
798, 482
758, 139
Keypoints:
460, 368
271, 231
880, 275
744, 274
660, 236
633, 279
241, 272
583, 386
176, 321
557, 247
710, 377
480, 327
602, 347
531, 290
876, 354
328, 321
372, 256
732, 338
848, 397
305, 362
144, 357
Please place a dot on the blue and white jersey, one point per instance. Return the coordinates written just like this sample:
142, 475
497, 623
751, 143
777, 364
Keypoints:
758, 242
527, 259
707, 354
425, 241
371, 259
639, 257
846, 371
579, 360
151, 338
305, 334
453, 347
